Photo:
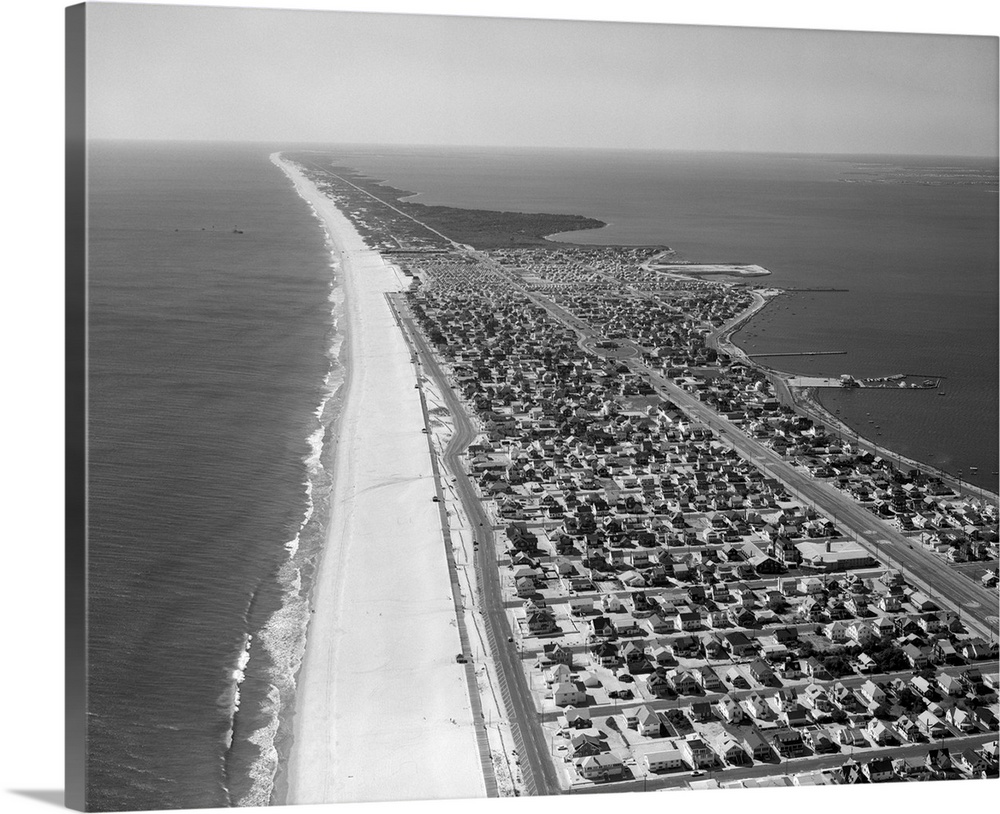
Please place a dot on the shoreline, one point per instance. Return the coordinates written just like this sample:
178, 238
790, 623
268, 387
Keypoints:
330, 417
378, 677
811, 405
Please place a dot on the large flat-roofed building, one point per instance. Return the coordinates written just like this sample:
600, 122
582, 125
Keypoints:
834, 555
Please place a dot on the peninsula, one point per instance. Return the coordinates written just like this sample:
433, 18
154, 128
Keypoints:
652, 559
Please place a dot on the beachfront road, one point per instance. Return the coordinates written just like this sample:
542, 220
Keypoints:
533, 753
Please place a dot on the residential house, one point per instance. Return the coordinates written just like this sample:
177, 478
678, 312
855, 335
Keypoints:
880, 733
707, 679
950, 685
665, 760
866, 664
920, 685
701, 711
879, 770
730, 750
568, 693
917, 656
972, 763
756, 746
851, 737
555, 653
557, 674
813, 667
739, 644
761, 672
601, 767
659, 685
683, 682
605, 654
586, 743
735, 678
872, 693
961, 719
788, 743
729, 710
932, 726
860, 633
687, 619
836, 631
909, 729
819, 741
645, 721
573, 718
985, 718
757, 707
795, 715
696, 753
601, 628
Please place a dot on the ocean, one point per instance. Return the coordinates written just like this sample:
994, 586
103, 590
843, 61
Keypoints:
212, 363
214, 372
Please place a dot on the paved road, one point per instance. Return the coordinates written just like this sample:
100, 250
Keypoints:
535, 762
852, 681
954, 745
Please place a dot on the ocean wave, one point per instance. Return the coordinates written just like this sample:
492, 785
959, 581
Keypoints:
238, 675
264, 769
282, 638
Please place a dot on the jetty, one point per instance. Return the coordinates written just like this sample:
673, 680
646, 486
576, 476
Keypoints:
801, 353
820, 290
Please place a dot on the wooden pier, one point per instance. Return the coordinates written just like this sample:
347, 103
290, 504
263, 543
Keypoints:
801, 353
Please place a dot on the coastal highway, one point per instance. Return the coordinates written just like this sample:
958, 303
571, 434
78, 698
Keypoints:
533, 753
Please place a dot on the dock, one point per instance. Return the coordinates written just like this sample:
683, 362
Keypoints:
801, 353
823, 290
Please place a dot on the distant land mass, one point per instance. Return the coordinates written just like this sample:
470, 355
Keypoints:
480, 228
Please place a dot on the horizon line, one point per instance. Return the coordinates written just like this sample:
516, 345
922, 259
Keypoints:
520, 147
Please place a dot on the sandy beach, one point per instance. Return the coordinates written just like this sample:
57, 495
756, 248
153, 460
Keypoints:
382, 711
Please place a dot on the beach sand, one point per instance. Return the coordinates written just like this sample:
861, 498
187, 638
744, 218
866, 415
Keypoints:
382, 708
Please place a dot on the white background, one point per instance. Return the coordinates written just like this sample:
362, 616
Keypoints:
31, 638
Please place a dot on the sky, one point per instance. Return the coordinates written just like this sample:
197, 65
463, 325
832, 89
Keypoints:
181, 72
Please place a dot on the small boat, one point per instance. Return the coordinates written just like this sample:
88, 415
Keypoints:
941, 394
